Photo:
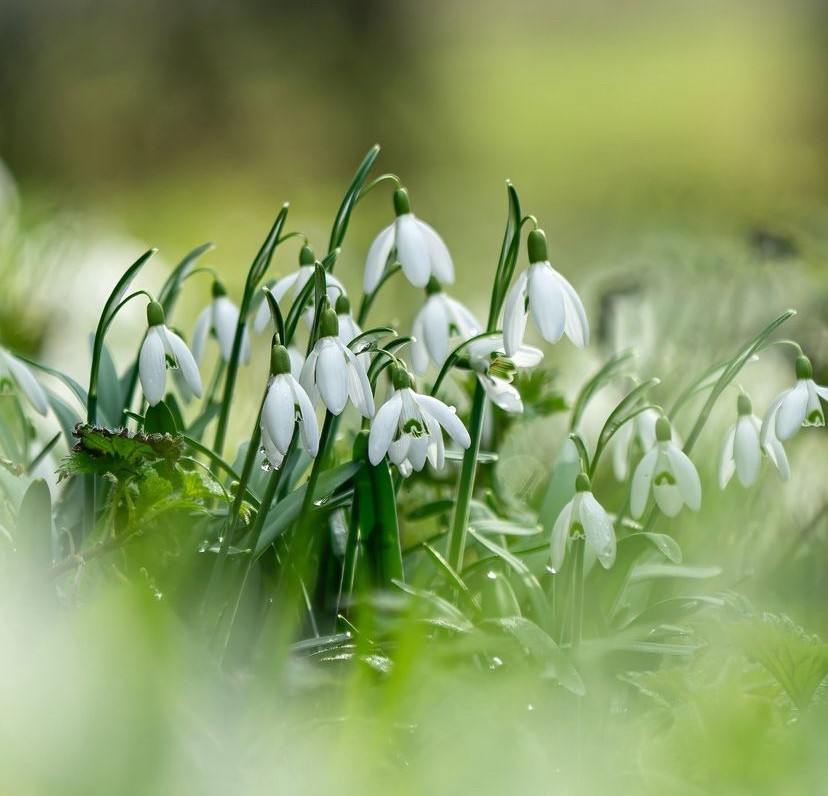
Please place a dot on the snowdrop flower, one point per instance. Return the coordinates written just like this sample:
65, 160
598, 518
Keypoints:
641, 428
285, 404
671, 474
796, 407
163, 348
407, 427
548, 297
441, 320
742, 451
420, 250
297, 361
349, 329
220, 319
495, 370
297, 280
333, 372
583, 516
13, 371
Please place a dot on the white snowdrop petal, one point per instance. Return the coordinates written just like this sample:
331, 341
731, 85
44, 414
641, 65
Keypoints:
309, 426
514, 315
419, 353
546, 304
791, 412
779, 459
358, 385
560, 534
822, 392
383, 428
527, 356
225, 320
274, 455
746, 451
332, 375
727, 464
412, 250
278, 412
262, 318
642, 479
769, 422
502, 394
26, 382
377, 258
296, 280
436, 449
576, 325
398, 449
182, 355
598, 529
669, 499
307, 375
417, 452
152, 366
441, 263
446, 416
348, 329
436, 329
813, 411
201, 332
467, 325
686, 475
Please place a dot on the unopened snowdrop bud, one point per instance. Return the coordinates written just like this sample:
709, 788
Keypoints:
220, 319
334, 373
13, 370
547, 296
285, 404
163, 348
796, 407
583, 516
742, 449
420, 250
670, 474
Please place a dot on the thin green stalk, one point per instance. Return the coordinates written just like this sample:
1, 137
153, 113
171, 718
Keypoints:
578, 544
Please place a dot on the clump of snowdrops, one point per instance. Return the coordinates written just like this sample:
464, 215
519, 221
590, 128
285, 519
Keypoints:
293, 540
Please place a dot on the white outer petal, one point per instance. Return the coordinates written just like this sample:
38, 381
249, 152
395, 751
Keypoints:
514, 315
200, 333
502, 394
332, 375
576, 326
813, 409
791, 412
307, 376
436, 319
225, 320
182, 355
262, 317
27, 382
598, 529
560, 534
642, 480
152, 366
747, 452
527, 356
383, 428
441, 265
727, 463
822, 392
621, 451
436, 449
419, 353
359, 388
377, 257
446, 416
348, 328
546, 302
769, 422
776, 453
274, 455
412, 250
308, 427
686, 475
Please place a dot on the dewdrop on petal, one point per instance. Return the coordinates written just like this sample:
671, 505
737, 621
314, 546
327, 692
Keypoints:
547, 296
799, 406
163, 348
420, 250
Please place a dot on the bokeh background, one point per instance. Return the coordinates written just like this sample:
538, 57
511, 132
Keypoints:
675, 152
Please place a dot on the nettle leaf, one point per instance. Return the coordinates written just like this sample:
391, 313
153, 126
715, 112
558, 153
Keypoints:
101, 450
796, 660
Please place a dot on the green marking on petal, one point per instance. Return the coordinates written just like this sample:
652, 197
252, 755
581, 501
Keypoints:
664, 478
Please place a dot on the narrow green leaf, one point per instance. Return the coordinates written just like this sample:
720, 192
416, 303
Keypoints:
343, 216
606, 374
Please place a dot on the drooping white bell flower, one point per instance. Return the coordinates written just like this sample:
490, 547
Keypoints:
333, 372
796, 407
285, 405
583, 516
641, 429
407, 427
163, 348
669, 472
221, 319
297, 281
742, 450
496, 371
349, 329
441, 321
547, 296
420, 250
13, 371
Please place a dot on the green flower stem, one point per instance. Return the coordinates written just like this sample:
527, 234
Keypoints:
465, 486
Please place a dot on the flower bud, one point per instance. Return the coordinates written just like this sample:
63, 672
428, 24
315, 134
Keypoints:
343, 305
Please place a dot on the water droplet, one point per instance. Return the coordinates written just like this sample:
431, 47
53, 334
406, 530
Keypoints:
320, 502
551, 570
530, 707
491, 575
495, 663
